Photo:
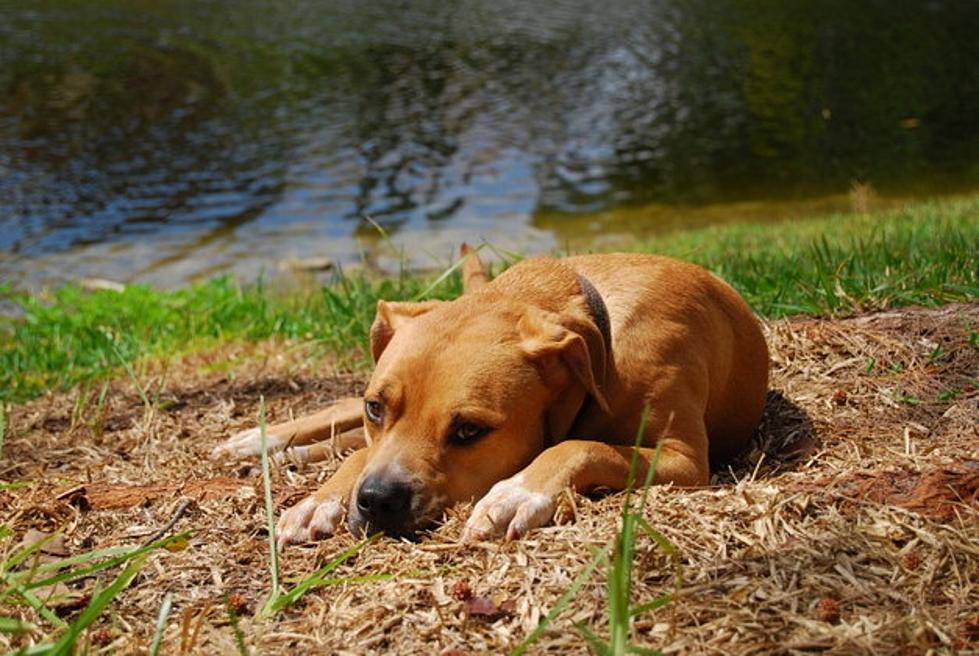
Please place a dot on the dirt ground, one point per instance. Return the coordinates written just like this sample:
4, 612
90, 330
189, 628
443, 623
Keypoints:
851, 527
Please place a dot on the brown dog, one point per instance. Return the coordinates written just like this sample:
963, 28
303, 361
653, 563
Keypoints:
529, 385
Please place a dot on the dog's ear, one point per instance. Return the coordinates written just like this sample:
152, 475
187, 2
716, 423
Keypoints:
390, 316
473, 272
580, 348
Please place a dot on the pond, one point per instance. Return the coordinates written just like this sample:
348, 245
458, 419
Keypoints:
168, 140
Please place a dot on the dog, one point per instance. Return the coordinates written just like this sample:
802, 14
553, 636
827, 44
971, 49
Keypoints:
529, 385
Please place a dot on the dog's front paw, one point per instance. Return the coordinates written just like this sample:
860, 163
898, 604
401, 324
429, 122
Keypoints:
310, 519
509, 509
247, 443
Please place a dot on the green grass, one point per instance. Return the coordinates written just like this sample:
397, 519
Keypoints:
835, 265
161, 624
619, 585
278, 599
72, 335
269, 508
235, 627
23, 587
924, 254
320, 578
619, 557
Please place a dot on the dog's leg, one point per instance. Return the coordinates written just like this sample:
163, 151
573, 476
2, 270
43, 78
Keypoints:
528, 500
318, 516
473, 272
328, 449
340, 417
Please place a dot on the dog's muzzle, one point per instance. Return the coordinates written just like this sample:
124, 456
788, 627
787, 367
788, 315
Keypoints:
384, 503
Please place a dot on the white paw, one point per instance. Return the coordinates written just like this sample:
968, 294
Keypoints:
309, 520
247, 443
508, 509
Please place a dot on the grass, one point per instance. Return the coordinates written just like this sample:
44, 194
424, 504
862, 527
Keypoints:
562, 601
269, 508
161, 624
320, 578
835, 265
924, 254
277, 600
632, 522
236, 627
71, 335
24, 587
100, 600
734, 540
831, 266
622, 550
26, 581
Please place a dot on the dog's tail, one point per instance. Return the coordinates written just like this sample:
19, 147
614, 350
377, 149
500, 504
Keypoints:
473, 272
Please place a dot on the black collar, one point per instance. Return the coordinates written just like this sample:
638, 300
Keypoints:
598, 311
599, 314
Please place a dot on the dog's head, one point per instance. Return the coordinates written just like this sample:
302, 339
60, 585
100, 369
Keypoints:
465, 394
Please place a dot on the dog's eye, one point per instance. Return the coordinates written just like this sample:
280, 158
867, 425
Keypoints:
467, 433
374, 411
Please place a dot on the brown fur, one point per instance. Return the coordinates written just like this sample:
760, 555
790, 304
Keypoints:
524, 356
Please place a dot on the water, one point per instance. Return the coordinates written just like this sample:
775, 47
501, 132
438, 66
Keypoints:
168, 140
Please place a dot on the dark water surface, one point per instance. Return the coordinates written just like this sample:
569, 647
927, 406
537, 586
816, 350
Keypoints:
165, 140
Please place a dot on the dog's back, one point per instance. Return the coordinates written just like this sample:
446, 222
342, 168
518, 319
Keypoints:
674, 319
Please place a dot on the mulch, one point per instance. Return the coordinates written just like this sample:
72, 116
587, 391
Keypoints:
851, 526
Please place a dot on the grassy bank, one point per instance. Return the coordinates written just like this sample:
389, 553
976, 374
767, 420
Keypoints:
835, 265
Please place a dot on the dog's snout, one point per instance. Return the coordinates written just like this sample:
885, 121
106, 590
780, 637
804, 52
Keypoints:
385, 502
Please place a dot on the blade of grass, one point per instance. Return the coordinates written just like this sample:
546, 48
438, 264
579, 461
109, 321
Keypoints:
620, 577
235, 627
3, 425
24, 553
161, 624
651, 468
442, 277
269, 513
131, 373
364, 578
509, 257
80, 558
108, 564
44, 649
13, 586
658, 602
667, 547
619, 584
562, 602
317, 578
17, 485
14, 625
597, 644
96, 606
657, 537
34, 602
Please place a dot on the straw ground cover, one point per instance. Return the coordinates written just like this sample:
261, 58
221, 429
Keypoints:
852, 526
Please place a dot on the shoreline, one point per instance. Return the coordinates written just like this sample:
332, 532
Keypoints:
836, 265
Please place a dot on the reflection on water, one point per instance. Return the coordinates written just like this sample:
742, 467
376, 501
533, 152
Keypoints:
172, 139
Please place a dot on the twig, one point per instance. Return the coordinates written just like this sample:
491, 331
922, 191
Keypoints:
181, 509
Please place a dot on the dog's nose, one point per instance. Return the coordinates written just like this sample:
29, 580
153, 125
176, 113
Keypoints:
384, 502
